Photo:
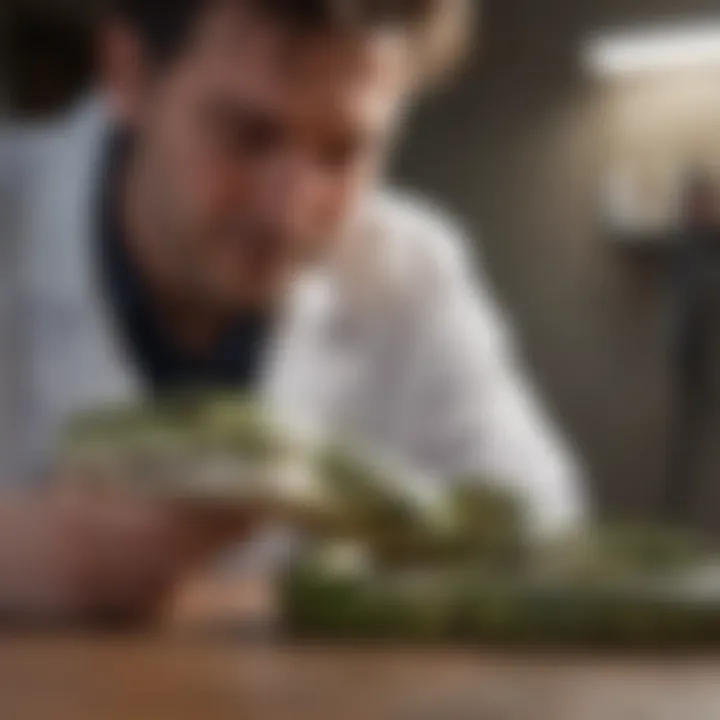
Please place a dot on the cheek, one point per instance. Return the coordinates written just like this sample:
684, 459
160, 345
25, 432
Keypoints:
207, 185
214, 192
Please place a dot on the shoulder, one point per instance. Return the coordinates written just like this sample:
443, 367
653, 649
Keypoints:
420, 232
414, 263
23, 151
21, 148
407, 245
28, 149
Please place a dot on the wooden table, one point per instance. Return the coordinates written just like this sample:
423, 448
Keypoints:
178, 674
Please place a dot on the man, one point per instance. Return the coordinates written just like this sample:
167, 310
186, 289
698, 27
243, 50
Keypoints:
216, 220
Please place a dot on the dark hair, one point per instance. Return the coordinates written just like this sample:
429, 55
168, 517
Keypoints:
439, 26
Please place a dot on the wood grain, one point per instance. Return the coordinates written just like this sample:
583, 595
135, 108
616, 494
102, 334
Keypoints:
180, 672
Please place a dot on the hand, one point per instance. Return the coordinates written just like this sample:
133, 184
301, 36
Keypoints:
83, 557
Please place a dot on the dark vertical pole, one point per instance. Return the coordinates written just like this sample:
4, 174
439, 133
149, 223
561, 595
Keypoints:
691, 372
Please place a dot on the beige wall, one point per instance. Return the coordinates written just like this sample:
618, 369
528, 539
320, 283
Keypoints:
518, 149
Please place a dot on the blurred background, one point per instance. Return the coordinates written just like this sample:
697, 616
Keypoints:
569, 164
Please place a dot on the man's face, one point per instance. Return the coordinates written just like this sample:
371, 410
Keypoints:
255, 146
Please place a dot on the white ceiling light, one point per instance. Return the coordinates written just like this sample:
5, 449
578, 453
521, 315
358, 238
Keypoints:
654, 49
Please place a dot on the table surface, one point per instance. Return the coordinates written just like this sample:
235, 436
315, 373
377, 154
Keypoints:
180, 672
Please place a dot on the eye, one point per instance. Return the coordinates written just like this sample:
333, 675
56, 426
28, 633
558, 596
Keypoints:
241, 132
256, 135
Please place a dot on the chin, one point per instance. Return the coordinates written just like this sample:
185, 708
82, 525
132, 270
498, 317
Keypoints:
250, 295
252, 287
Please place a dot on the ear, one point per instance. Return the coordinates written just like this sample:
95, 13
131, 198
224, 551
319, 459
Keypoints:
124, 70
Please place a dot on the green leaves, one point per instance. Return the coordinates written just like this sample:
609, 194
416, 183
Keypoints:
453, 565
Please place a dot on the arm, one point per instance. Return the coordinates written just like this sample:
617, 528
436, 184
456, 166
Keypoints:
77, 557
474, 412
64, 557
